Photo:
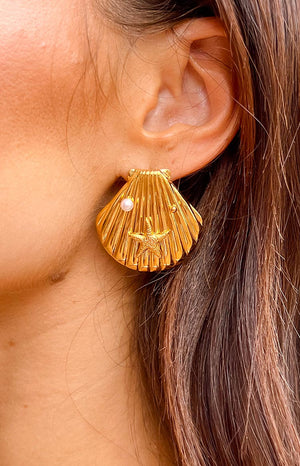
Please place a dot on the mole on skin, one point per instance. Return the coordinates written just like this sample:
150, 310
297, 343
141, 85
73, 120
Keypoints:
57, 277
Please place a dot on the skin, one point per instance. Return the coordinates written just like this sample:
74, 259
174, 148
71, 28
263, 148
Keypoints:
81, 105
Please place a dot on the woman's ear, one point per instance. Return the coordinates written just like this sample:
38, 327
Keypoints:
179, 97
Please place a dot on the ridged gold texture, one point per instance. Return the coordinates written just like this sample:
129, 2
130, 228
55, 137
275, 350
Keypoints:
159, 230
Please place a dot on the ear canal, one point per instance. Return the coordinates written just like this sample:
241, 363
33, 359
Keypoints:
148, 226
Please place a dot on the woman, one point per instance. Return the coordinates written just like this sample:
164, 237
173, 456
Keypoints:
194, 365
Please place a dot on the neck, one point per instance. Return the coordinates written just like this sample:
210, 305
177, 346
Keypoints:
69, 391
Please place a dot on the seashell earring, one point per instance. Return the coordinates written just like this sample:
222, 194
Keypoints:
148, 226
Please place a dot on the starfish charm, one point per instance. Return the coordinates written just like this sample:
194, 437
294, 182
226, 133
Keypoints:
150, 240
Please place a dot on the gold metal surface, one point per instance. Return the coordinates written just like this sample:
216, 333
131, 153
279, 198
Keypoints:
158, 230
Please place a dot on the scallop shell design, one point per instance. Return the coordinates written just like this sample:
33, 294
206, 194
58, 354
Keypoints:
153, 228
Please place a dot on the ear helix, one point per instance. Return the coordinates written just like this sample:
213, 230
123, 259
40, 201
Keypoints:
148, 226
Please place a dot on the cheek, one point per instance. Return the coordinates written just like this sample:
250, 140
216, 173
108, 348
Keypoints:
41, 62
44, 115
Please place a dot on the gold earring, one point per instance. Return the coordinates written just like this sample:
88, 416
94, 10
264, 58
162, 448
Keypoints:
148, 226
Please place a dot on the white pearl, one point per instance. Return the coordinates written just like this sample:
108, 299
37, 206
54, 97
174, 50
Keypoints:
126, 204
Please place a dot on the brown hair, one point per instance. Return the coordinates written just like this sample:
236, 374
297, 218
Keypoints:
218, 335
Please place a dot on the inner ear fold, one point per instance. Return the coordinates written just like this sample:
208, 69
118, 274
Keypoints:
190, 107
